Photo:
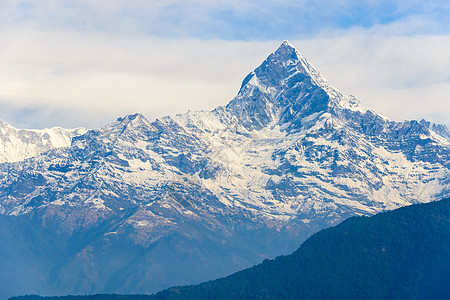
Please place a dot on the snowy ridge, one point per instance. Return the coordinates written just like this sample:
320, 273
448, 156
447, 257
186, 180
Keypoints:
287, 156
20, 144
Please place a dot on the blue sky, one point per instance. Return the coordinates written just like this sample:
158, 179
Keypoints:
228, 20
85, 63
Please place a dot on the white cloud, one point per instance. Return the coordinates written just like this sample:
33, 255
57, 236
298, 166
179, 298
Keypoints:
90, 74
402, 77
116, 75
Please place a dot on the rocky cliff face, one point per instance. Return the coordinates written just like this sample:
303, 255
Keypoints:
137, 206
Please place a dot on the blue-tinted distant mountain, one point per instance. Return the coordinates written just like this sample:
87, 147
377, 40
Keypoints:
403, 254
138, 206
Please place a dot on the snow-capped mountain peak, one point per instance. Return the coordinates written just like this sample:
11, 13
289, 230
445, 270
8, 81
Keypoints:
134, 120
286, 88
280, 66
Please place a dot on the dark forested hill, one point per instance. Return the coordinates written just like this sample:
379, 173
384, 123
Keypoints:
402, 254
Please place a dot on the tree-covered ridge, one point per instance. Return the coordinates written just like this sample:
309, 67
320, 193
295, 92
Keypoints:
90, 297
402, 254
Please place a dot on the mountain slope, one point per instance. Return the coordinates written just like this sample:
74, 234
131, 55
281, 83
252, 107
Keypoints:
403, 254
138, 206
20, 144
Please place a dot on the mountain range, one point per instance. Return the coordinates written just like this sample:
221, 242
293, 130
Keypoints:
138, 206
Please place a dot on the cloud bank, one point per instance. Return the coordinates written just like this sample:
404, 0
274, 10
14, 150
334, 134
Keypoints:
82, 63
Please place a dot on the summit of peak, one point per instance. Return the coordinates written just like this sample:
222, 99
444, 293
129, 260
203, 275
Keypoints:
131, 127
281, 65
132, 117
287, 54
132, 121
283, 88
286, 46
286, 43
